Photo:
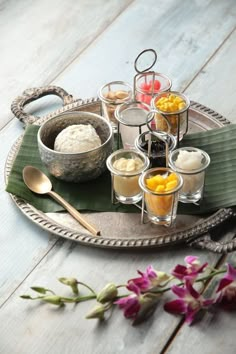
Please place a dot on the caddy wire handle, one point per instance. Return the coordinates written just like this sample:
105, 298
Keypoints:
146, 69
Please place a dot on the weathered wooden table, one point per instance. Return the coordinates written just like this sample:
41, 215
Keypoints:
80, 46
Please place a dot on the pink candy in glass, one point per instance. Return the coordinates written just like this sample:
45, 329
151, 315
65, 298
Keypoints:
149, 88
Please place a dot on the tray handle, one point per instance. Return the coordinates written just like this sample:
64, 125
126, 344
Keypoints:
205, 242
32, 94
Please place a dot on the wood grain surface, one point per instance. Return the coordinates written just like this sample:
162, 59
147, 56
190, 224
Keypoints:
41, 38
80, 46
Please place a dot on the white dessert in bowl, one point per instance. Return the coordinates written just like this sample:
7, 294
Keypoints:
77, 138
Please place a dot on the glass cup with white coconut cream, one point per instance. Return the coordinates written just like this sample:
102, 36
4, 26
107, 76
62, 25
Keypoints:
126, 166
191, 163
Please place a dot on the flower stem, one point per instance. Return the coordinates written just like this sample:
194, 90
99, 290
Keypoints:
88, 287
211, 275
121, 286
206, 277
85, 298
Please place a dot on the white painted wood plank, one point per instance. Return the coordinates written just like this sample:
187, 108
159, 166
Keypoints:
40, 38
184, 34
215, 84
43, 329
181, 54
22, 243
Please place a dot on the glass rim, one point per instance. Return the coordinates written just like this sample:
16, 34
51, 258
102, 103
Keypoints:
140, 75
107, 100
176, 93
193, 171
171, 146
166, 169
125, 106
117, 172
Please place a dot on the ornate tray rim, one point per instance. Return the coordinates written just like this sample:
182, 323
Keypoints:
46, 223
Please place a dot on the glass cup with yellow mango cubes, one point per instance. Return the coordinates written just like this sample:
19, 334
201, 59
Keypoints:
174, 107
160, 188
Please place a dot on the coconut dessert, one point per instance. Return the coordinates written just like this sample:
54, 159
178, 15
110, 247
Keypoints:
77, 138
190, 161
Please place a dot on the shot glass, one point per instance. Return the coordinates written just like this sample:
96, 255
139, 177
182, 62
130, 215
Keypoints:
174, 107
126, 166
112, 95
191, 163
131, 117
155, 148
148, 84
160, 191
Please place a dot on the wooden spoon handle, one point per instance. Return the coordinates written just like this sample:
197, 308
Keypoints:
74, 213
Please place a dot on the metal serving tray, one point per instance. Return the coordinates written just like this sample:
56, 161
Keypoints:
121, 230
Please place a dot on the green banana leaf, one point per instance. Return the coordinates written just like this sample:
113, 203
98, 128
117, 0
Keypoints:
90, 196
220, 185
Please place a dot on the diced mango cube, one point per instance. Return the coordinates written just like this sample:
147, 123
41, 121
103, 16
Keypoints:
161, 184
170, 103
171, 97
162, 99
151, 183
160, 188
174, 107
178, 99
159, 179
181, 105
171, 185
172, 177
161, 107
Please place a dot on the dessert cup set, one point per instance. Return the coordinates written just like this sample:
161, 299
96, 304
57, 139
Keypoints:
163, 116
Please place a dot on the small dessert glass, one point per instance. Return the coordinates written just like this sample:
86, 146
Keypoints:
193, 179
125, 185
178, 119
162, 206
112, 95
157, 153
148, 84
131, 117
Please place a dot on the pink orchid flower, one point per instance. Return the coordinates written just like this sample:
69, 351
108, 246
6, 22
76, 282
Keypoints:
191, 270
137, 304
227, 289
190, 302
148, 280
130, 305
